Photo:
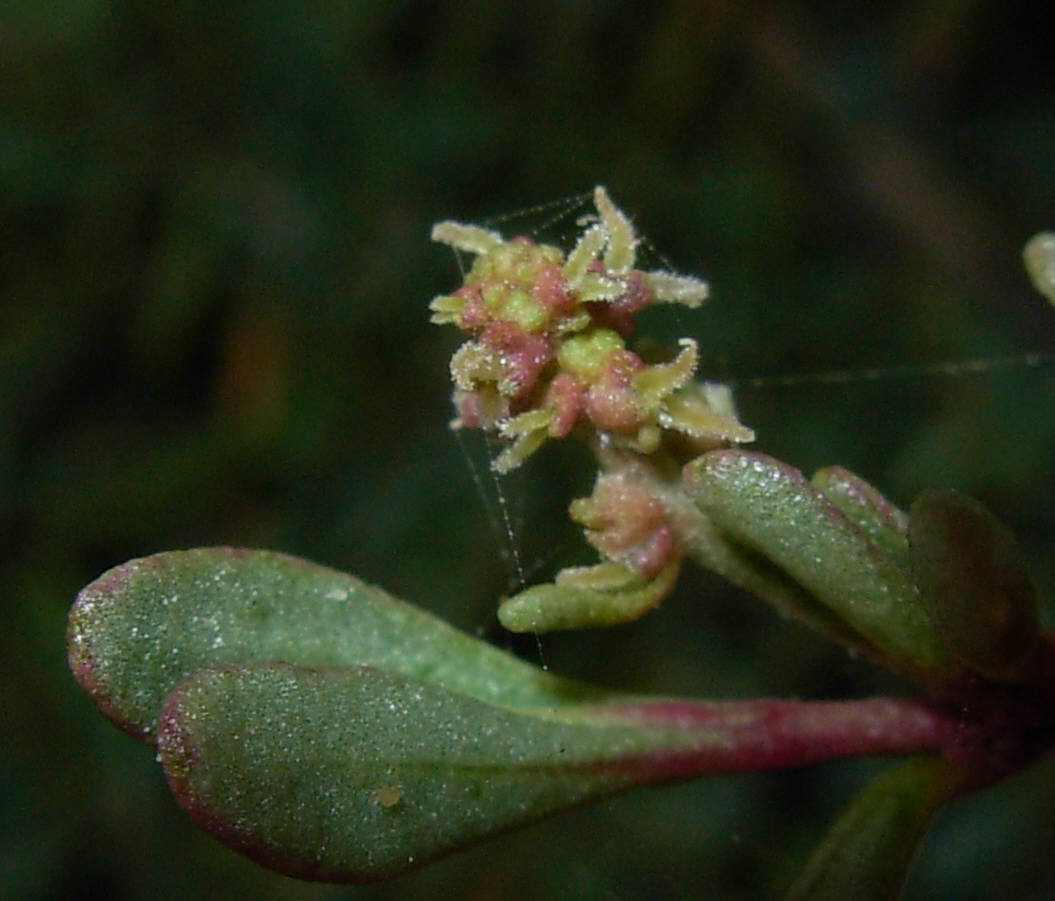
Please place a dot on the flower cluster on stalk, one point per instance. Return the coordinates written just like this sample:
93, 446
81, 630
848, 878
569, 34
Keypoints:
547, 356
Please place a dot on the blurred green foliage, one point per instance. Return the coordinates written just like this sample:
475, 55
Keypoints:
215, 271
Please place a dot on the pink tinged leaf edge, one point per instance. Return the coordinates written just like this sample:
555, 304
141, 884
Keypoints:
83, 662
94, 602
176, 745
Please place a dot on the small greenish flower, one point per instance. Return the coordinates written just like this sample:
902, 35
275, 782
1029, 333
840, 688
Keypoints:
627, 523
548, 348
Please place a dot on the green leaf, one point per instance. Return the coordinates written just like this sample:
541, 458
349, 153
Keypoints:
771, 508
867, 854
144, 626
604, 595
974, 578
351, 775
884, 524
1039, 258
717, 550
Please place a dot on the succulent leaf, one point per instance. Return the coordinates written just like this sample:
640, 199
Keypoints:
867, 853
867, 509
356, 774
145, 625
607, 594
1039, 258
353, 774
770, 507
974, 579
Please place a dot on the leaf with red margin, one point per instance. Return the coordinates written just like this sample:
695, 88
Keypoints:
142, 627
357, 774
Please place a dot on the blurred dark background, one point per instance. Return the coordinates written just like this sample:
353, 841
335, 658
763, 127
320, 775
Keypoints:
215, 268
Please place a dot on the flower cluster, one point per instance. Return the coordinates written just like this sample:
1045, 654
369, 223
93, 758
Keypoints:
547, 355
548, 349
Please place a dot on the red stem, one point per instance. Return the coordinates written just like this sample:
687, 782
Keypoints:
770, 734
